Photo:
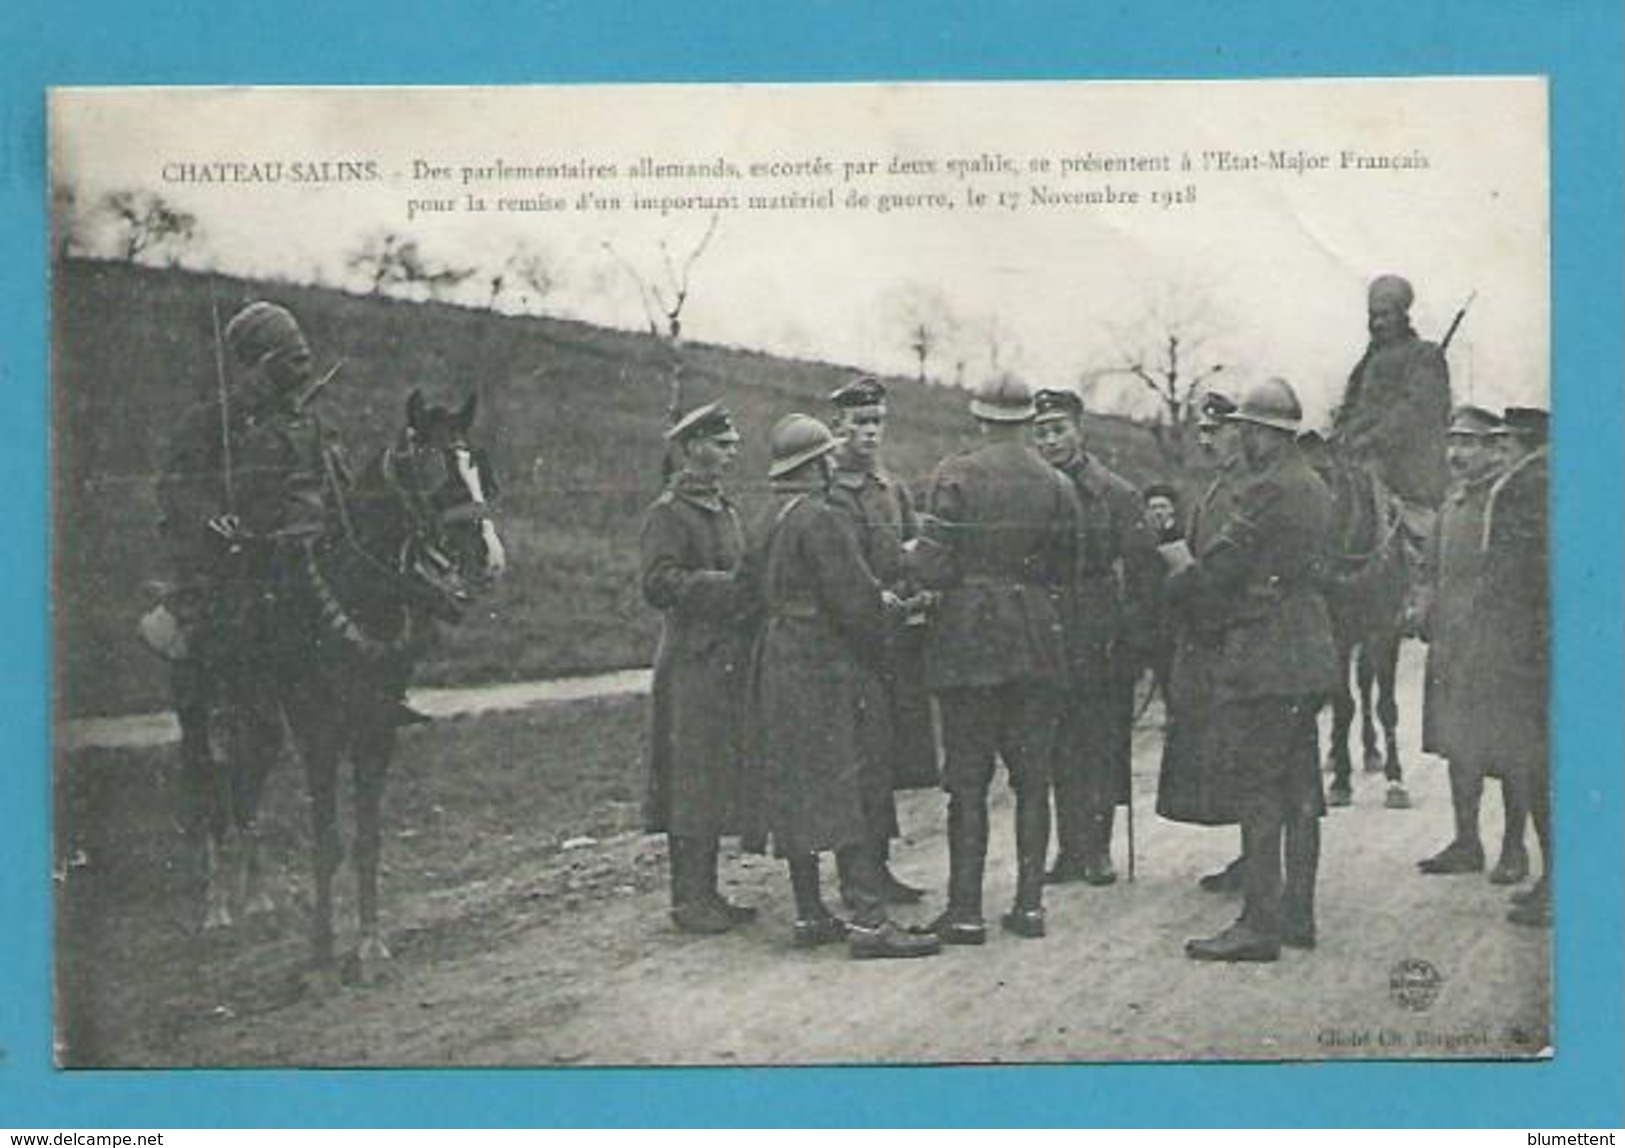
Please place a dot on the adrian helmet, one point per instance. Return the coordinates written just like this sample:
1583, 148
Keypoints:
797, 440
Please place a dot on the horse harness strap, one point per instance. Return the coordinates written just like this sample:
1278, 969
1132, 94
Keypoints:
340, 623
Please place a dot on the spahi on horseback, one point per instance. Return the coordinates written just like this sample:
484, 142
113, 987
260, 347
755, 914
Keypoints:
1387, 468
304, 595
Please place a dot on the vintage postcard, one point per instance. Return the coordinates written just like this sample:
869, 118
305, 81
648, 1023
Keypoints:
460, 660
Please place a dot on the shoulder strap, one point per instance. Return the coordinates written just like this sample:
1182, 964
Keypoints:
770, 547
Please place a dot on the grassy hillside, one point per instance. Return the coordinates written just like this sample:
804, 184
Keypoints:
573, 415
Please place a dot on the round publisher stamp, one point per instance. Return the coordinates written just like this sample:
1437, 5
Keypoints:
1414, 984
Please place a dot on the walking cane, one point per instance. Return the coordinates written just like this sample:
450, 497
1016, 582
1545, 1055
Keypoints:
1131, 820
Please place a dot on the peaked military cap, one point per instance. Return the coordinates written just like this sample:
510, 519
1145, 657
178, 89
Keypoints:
1473, 422
709, 421
1056, 404
1215, 407
1527, 422
867, 391
1161, 490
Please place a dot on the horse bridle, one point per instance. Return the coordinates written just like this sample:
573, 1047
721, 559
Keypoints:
422, 542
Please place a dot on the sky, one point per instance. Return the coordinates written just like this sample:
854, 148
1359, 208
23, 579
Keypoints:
1262, 271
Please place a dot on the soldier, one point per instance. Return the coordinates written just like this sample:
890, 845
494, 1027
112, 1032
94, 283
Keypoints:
1511, 654
1189, 786
1260, 585
242, 487
815, 689
1000, 544
881, 509
691, 549
1448, 614
1396, 408
1162, 513
1106, 608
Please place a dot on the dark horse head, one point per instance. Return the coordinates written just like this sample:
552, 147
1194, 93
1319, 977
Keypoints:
414, 537
451, 551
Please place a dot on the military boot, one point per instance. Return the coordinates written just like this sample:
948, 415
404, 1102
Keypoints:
1302, 856
1465, 853
961, 923
708, 852
692, 911
1513, 866
815, 925
1026, 916
1098, 868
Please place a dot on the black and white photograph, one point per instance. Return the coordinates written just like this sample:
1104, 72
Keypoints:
824, 574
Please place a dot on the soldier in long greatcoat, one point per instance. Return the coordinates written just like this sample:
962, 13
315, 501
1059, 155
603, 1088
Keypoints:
1261, 584
1511, 652
816, 665
1449, 615
881, 511
1000, 545
1106, 607
1189, 785
691, 549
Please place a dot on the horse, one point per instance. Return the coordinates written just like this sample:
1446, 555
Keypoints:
1367, 588
409, 544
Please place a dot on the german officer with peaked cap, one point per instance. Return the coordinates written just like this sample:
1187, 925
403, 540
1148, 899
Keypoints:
1448, 610
1260, 582
1511, 654
690, 553
881, 510
1190, 783
1000, 544
814, 694
1107, 604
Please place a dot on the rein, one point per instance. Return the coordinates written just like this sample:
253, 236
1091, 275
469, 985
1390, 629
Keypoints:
333, 613
1353, 565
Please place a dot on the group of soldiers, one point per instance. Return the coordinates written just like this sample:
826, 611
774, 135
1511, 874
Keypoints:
1025, 594
813, 659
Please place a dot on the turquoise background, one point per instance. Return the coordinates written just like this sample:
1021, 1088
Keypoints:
1578, 43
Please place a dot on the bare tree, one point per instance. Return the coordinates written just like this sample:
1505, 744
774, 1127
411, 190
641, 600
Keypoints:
663, 301
149, 227
928, 323
1169, 352
389, 260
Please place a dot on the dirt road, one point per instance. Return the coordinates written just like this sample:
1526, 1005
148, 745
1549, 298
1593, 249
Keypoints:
519, 942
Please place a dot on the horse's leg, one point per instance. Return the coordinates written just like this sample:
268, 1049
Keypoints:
1366, 673
204, 786
1385, 667
1388, 704
1342, 787
256, 744
374, 745
319, 750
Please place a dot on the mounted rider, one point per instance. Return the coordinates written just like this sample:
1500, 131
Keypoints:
241, 489
1396, 409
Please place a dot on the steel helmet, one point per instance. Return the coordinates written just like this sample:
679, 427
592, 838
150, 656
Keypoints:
795, 441
1003, 399
1272, 403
